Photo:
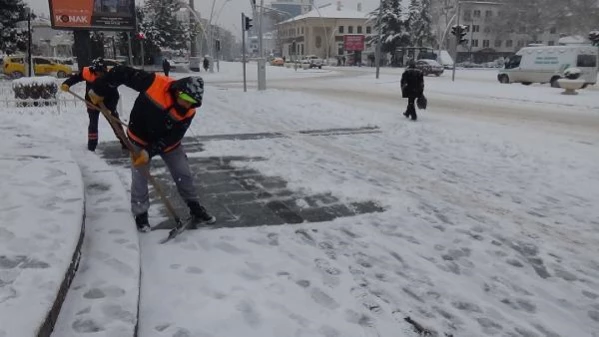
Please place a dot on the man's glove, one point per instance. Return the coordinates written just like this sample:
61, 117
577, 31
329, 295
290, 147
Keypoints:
64, 87
95, 98
140, 159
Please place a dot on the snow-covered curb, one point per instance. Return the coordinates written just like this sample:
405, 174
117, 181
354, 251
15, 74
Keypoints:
104, 296
41, 230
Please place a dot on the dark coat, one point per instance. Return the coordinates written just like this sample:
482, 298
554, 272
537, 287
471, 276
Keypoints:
412, 83
166, 66
154, 123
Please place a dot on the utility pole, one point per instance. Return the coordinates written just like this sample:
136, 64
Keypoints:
378, 43
261, 60
129, 49
29, 60
457, 44
243, 28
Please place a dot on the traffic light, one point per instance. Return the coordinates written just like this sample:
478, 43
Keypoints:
460, 31
248, 23
463, 31
594, 37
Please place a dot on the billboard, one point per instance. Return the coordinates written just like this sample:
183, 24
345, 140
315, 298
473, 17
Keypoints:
93, 14
353, 42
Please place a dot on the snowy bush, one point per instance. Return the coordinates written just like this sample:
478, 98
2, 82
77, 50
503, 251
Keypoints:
35, 88
572, 73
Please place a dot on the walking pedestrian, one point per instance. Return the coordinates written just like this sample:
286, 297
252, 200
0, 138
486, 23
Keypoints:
412, 88
166, 67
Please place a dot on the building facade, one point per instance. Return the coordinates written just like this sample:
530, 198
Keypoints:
486, 41
321, 32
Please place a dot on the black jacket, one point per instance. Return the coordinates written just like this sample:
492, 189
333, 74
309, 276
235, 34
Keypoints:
111, 97
166, 66
154, 124
412, 83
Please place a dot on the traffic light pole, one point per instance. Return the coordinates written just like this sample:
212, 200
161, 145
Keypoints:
245, 89
457, 44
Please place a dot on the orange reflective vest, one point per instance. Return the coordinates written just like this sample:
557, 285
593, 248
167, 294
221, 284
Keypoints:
160, 97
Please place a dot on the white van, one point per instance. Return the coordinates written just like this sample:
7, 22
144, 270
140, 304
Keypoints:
546, 64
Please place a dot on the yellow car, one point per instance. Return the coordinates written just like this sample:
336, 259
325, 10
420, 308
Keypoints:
14, 67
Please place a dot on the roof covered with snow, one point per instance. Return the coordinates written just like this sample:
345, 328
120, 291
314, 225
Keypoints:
573, 39
330, 12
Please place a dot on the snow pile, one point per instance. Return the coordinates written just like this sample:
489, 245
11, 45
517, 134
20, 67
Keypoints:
40, 225
30, 81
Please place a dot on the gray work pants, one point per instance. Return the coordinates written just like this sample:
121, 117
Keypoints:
178, 166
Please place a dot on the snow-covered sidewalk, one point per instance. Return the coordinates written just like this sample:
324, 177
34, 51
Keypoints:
41, 228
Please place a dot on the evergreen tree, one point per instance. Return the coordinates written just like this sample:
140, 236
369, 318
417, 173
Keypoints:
419, 23
161, 26
391, 26
11, 38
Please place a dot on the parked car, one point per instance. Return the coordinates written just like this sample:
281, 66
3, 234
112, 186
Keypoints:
430, 67
14, 67
277, 61
547, 64
314, 61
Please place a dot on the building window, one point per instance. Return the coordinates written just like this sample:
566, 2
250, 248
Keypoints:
341, 29
302, 30
302, 49
359, 30
552, 30
486, 43
520, 43
487, 29
551, 43
488, 14
476, 13
509, 43
368, 30
318, 42
497, 43
350, 29
474, 43
475, 28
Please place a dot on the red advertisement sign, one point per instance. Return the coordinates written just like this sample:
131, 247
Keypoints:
353, 42
93, 14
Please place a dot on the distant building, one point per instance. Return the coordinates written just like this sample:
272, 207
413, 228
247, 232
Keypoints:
320, 32
293, 7
485, 43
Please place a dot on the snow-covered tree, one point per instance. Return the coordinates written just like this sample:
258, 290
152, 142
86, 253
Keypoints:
419, 23
391, 26
11, 38
161, 26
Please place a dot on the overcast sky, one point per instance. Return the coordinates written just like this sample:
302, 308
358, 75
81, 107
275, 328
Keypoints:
230, 16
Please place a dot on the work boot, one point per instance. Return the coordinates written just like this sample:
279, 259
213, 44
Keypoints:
92, 144
199, 215
142, 223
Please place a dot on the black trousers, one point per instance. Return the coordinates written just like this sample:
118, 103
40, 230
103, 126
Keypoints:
92, 128
411, 109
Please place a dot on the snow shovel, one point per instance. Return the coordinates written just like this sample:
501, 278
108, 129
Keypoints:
116, 124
